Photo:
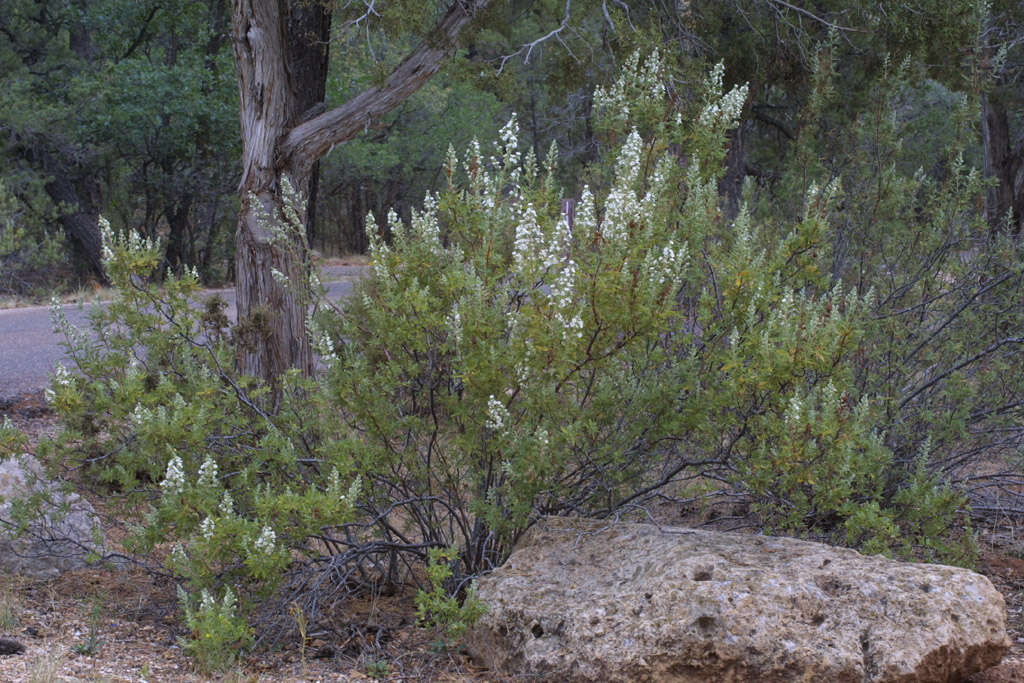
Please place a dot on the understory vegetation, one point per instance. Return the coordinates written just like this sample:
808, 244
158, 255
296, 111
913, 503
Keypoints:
847, 363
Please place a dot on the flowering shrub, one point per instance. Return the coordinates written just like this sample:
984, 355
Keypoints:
503, 362
222, 494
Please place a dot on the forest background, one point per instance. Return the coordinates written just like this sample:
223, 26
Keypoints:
823, 274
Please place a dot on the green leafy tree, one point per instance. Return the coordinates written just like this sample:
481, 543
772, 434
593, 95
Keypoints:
136, 117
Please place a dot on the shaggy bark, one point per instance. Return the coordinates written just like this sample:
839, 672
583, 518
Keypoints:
280, 72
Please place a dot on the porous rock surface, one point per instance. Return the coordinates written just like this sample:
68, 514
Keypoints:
60, 540
586, 600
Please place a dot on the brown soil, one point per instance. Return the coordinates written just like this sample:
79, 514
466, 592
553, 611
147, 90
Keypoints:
123, 625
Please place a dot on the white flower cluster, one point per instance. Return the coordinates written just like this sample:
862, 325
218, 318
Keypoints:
536, 254
523, 369
314, 281
531, 246
132, 242
497, 414
509, 135
61, 378
722, 110
474, 163
379, 251
266, 543
623, 206
206, 528
174, 478
637, 85
208, 472
75, 336
106, 239
652, 78
206, 602
292, 206
586, 214
141, 415
564, 298
321, 341
334, 482
663, 267
425, 227
178, 556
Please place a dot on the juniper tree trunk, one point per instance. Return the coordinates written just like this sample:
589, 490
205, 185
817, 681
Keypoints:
281, 80
281, 73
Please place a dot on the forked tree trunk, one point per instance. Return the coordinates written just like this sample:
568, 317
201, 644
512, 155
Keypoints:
280, 75
283, 136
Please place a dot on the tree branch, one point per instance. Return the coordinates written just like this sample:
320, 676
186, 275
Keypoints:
978, 356
142, 33
307, 142
807, 13
528, 47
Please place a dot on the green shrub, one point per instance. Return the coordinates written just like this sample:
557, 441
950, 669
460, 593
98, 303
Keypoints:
941, 339
223, 494
218, 632
501, 364
440, 606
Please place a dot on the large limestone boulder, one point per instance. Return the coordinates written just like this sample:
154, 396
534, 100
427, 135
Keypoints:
60, 540
585, 600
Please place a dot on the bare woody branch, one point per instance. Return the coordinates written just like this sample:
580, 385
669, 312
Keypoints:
307, 142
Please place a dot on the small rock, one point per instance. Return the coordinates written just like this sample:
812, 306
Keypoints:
60, 540
10, 647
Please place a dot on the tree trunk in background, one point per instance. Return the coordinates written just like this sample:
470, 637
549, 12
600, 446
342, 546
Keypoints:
1004, 163
730, 188
309, 31
280, 71
81, 224
76, 193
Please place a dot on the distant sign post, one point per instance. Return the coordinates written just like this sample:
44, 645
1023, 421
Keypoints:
569, 211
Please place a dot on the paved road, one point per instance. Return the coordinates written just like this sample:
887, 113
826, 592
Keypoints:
30, 349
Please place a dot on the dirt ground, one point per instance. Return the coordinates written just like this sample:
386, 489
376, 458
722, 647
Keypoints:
123, 625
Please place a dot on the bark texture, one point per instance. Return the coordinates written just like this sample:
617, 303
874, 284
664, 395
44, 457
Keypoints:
1004, 160
280, 52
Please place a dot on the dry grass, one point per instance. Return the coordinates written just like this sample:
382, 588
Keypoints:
138, 629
